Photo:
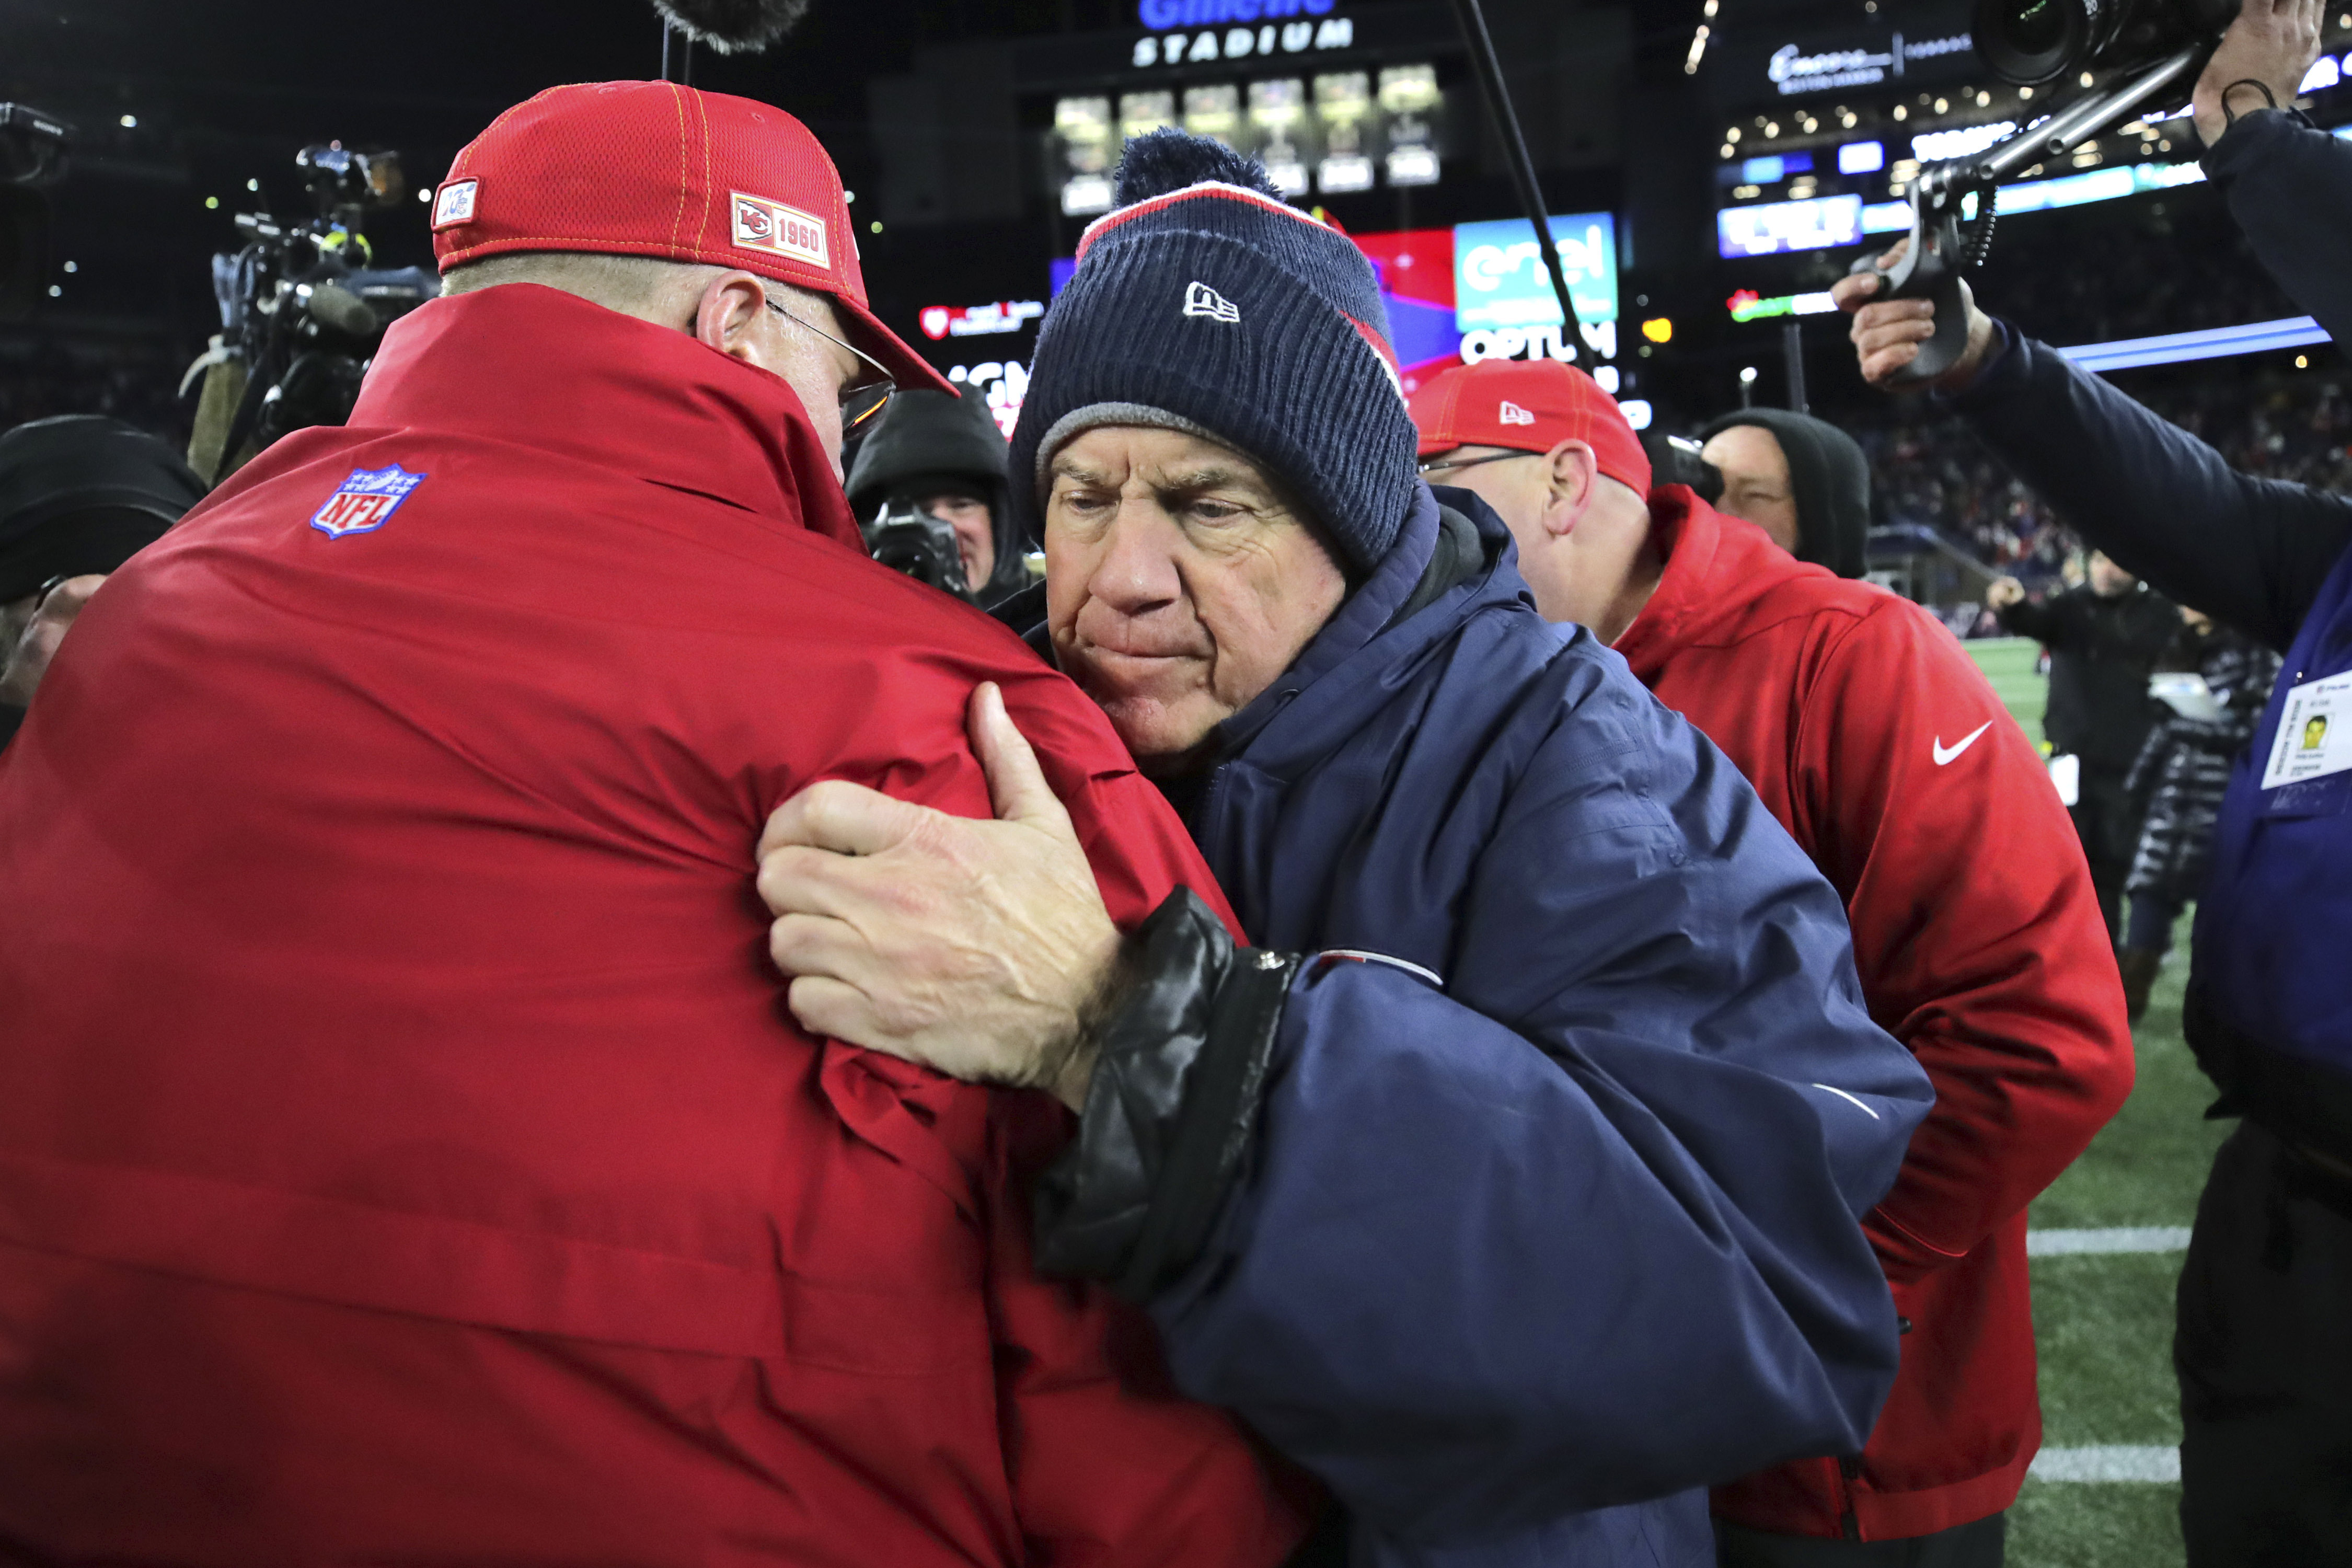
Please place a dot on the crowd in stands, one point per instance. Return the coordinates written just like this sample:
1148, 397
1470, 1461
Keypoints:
2294, 425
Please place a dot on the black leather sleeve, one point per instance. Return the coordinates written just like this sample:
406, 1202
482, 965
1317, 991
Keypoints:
1171, 1106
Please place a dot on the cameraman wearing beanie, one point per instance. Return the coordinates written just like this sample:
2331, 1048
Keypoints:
1803, 480
2264, 1363
79, 495
1875, 741
1507, 1171
944, 457
404, 1153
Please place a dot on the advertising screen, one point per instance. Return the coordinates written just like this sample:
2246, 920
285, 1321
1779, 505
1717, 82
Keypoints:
1761, 228
1499, 279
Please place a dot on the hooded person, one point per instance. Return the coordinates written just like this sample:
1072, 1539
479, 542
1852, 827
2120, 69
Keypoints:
1800, 480
79, 495
944, 456
1503, 1167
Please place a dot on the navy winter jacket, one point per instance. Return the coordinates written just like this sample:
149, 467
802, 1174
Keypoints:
2270, 995
1547, 1215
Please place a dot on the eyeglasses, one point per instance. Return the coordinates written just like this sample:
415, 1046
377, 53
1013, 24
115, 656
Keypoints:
862, 399
1442, 465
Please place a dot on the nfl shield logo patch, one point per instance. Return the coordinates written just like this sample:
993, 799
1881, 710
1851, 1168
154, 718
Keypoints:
362, 503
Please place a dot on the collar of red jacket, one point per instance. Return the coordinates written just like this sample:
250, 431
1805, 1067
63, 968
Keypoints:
548, 369
1715, 568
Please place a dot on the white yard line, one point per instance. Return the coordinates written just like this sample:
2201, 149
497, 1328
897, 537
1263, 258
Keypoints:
2107, 1464
2130, 1239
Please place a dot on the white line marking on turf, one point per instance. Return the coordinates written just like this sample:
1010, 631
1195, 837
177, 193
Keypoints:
2131, 1239
2107, 1464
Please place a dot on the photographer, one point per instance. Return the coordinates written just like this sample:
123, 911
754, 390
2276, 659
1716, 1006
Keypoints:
943, 458
2264, 1363
2105, 636
1803, 480
79, 495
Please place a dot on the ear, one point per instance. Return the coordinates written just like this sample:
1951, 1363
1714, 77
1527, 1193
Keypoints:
731, 313
1569, 472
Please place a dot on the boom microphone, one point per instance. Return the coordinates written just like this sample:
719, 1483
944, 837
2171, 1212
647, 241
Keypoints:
732, 26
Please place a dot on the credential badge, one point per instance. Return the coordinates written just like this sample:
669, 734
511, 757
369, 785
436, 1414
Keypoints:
365, 502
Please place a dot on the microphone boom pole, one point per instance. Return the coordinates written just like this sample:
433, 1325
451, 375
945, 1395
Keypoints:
1489, 71
677, 55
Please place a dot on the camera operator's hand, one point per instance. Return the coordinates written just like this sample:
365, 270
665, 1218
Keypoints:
979, 949
2003, 591
1887, 334
2271, 42
22, 667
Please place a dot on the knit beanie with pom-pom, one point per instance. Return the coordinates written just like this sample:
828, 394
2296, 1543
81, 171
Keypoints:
1206, 303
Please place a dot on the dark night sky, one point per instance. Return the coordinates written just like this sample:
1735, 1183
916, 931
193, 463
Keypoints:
226, 92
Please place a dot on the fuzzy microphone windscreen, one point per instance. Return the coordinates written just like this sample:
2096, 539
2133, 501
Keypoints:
732, 26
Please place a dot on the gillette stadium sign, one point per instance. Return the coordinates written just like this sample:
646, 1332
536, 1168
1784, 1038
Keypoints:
1160, 16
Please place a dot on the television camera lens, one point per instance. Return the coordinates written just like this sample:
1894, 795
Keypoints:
2030, 42
2035, 26
2034, 41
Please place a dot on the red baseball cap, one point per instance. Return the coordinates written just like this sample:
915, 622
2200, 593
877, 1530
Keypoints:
1529, 406
651, 168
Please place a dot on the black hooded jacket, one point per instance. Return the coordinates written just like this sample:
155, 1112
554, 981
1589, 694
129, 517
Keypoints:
1830, 478
927, 440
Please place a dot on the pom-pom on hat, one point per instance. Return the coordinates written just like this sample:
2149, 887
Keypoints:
1206, 303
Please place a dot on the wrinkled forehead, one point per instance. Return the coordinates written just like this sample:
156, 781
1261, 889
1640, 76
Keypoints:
1157, 455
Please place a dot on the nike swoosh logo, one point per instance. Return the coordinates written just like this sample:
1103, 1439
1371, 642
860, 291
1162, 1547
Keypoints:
1945, 754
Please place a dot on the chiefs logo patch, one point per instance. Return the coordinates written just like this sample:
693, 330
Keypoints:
771, 227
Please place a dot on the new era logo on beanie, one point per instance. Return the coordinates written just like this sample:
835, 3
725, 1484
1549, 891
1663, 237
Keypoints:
1200, 300
1205, 302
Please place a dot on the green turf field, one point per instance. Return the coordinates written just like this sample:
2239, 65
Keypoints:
2103, 1322
2008, 663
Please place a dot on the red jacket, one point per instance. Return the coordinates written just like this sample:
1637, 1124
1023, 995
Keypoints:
403, 1154
1874, 739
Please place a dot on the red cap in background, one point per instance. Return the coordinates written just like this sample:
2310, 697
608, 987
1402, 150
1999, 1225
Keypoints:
1529, 406
651, 168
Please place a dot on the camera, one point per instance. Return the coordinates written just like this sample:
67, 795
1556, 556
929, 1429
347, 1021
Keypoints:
1676, 460
2030, 42
908, 539
301, 311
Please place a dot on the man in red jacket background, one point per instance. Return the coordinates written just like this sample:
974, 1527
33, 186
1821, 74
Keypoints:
1875, 741
404, 1155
